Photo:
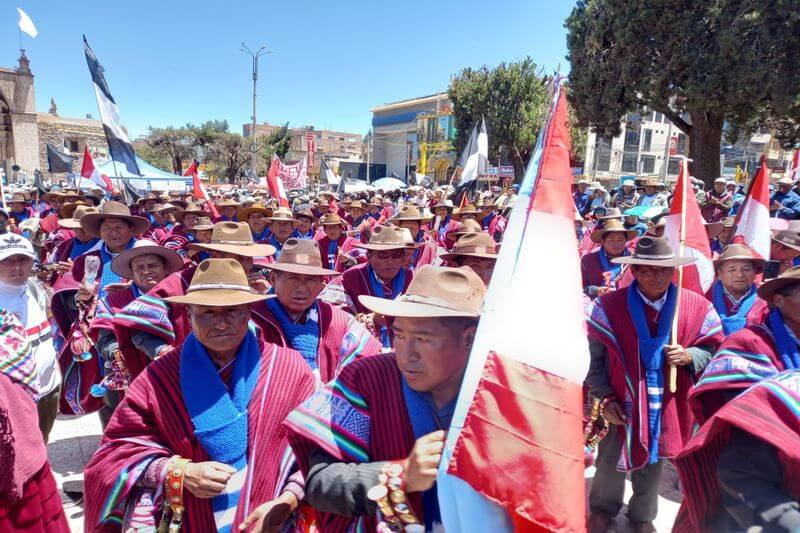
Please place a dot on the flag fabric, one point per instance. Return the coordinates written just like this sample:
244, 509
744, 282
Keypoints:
697, 276
58, 161
275, 183
199, 190
38, 183
752, 224
341, 189
794, 171
26, 25
119, 146
90, 172
130, 192
293, 176
326, 175
474, 160
513, 460
464, 192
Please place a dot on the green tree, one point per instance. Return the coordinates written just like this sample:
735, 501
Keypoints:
276, 143
699, 62
176, 145
227, 156
512, 98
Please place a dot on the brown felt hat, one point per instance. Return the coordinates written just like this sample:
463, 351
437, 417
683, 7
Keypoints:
301, 256
410, 212
282, 213
473, 245
165, 208
228, 202
234, 238
434, 292
467, 226
77, 213
386, 238
356, 204
739, 252
468, 209
713, 229
203, 223
111, 209
218, 283
18, 198
612, 213
190, 208
331, 219
305, 213
121, 264
53, 195
67, 210
613, 226
244, 214
376, 201
147, 197
769, 288
788, 238
443, 203
653, 251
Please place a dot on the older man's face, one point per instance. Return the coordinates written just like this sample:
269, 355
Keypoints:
784, 187
296, 292
386, 263
116, 233
789, 303
282, 229
257, 222
148, 270
303, 225
220, 329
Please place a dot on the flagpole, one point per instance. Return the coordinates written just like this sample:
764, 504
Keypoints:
673, 370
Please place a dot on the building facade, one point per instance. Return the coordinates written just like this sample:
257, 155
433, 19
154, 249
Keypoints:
19, 142
70, 135
332, 145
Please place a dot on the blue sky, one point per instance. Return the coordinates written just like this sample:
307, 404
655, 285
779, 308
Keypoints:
173, 61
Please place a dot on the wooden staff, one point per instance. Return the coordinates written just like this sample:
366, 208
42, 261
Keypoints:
673, 370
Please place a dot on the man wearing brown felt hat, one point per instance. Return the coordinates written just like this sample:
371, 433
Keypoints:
633, 349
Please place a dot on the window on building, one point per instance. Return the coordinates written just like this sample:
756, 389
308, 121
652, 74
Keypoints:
674, 166
647, 140
629, 160
659, 117
602, 153
682, 144
648, 164
72, 145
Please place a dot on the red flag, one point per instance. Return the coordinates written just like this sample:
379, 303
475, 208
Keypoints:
275, 183
752, 222
90, 172
685, 223
199, 190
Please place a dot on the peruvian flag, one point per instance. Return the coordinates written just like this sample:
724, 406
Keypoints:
752, 224
686, 224
275, 183
199, 190
513, 460
794, 171
90, 172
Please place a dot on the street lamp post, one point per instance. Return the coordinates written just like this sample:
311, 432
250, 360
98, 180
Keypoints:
253, 145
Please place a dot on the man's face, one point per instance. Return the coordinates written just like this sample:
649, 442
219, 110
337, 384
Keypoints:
737, 276
229, 211
257, 222
719, 187
411, 225
650, 189
203, 235
724, 235
730, 188
246, 262
483, 267
282, 229
82, 234
219, 329
627, 189
15, 270
115, 233
779, 252
296, 292
303, 225
614, 243
148, 270
333, 231
430, 354
441, 212
653, 280
148, 205
789, 304
17, 207
190, 220
324, 208
356, 213
581, 188
386, 263
784, 187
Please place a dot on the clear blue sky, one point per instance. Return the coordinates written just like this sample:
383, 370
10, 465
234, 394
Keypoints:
171, 62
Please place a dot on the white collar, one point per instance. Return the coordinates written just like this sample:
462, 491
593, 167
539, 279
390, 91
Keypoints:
654, 304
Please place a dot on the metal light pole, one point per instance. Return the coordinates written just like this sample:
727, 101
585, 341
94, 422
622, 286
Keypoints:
254, 145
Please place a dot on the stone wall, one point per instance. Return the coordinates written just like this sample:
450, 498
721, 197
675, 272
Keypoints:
58, 131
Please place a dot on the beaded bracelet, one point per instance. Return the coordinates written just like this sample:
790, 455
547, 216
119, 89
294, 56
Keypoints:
395, 515
176, 471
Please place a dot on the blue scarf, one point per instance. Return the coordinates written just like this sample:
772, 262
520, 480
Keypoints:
109, 276
787, 348
264, 235
487, 220
651, 353
419, 239
79, 248
333, 251
307, 235
443, 228
20, 216
303, 337
608, 266
424, 421
273, 240
378, 290
735, 322
219, 414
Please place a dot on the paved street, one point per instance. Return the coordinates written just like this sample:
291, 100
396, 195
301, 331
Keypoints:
74, 440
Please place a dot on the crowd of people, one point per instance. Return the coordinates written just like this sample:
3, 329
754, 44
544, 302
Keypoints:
265, 367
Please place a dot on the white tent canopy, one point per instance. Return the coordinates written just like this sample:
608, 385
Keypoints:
152, 178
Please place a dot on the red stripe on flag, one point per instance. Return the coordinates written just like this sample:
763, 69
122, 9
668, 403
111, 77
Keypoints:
522, 445
555, 178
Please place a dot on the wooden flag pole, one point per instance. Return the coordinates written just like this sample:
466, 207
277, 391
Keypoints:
673, 370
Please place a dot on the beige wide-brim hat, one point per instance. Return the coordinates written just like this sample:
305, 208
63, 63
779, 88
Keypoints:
111, 209
68, 209
467, 226
739, 252
301, 256
191, 208
121, 264
788, 238
434, 292
218, 283
473, 245
331, 219
244, 214
411, 213
612, 225
769, 288
282, 213
228, 202
468, 209
74, 222
387, 238
203, 224
653, 251
234, 238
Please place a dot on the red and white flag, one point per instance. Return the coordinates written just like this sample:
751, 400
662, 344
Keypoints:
514, 460
752, 224
794, 170
275, 183
199, 190
685, 223
90, 172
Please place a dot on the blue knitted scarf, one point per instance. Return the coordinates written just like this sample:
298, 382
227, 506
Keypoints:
333, 251
377, 288
443, 228
273, 240
264, 235
307, 235
79, 248
738, 320
303, 337
219, 413
109, 276
651, 353
787, 347
608, 266
487, 220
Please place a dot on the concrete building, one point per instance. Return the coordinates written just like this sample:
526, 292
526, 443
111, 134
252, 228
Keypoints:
333, 145
415, 135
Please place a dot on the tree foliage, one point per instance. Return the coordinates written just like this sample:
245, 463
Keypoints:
227, 156
700, 62
176, 145
512, 97
276, 143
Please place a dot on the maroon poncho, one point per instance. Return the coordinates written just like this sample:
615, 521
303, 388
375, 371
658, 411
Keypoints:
346, 245
355, 282
152, 422
610, 322
593, 273
770, 411
368, 395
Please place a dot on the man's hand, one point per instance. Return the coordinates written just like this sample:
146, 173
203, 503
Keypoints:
207, 479
258, 282
116, 287
423, 462
62, 267
86, 292
677, 355
614, 413
270, 516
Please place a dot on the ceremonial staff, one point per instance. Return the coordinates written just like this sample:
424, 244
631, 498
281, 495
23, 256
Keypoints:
673, 370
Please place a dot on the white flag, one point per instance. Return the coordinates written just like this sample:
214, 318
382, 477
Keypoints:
26, 24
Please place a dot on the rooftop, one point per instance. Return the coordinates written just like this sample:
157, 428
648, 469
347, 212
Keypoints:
47, 117
409, 102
